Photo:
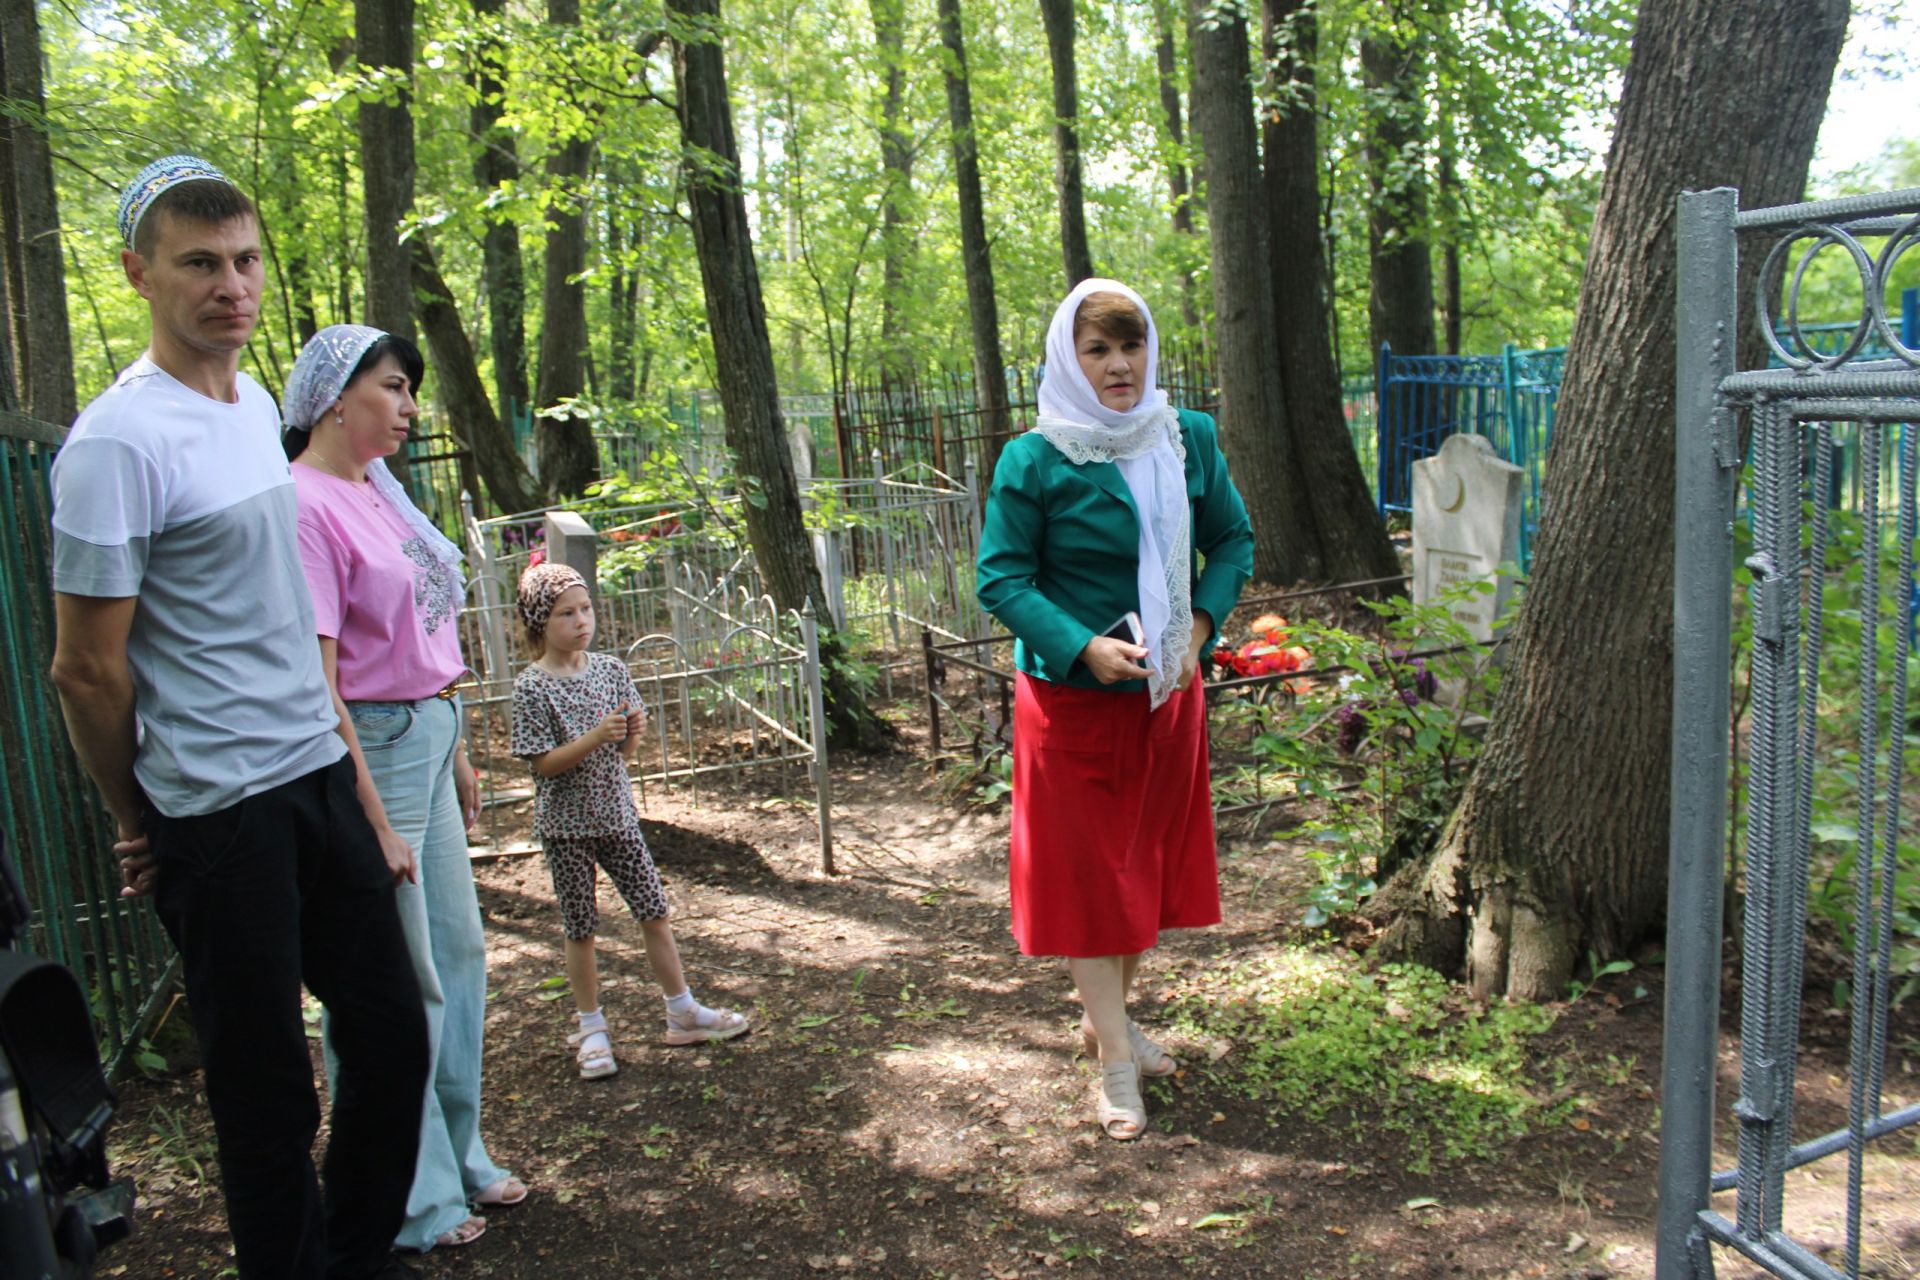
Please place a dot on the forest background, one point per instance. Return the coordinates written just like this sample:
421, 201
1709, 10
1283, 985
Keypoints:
549, 131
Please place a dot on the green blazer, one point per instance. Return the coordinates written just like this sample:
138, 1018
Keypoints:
1059, 560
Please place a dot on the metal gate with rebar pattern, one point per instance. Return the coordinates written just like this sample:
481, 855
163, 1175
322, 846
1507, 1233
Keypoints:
1828, 715
58, 832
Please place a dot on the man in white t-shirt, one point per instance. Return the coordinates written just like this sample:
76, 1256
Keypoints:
193, 694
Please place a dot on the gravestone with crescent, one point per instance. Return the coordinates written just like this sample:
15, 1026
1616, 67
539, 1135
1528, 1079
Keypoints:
1466, 524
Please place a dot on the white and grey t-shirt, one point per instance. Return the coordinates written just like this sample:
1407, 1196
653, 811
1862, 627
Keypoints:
188, 504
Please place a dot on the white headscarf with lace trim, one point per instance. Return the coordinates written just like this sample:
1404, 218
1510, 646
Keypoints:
319, 376
1144, 442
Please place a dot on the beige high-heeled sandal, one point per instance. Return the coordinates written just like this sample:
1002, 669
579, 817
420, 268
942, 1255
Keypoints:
1123, 1114
1154, 1060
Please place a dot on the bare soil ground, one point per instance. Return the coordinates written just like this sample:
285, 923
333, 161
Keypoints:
911, 1102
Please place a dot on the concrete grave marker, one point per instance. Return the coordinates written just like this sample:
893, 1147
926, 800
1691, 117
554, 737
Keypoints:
1466, 524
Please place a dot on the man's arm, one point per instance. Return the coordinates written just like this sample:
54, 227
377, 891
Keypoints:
96, 696
90, 672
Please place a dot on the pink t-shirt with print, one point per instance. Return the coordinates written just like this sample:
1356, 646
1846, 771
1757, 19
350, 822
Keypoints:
377, 589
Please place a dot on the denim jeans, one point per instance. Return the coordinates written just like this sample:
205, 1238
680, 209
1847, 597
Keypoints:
409, 748
286, 887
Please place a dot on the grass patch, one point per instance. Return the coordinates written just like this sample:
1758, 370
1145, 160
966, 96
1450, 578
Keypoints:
1316, 1034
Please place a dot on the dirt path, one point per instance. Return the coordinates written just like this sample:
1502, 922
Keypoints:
910, 1103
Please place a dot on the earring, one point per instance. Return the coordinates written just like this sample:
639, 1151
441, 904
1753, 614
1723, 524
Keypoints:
339, 419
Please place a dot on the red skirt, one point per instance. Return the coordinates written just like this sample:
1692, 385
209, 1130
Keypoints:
1101, 860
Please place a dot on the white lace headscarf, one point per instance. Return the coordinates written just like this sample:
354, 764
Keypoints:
1144, 442
319, 376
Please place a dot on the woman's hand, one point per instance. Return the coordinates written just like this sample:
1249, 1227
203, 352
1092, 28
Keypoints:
399, 855
637, 721
1190, 665
1196, 646
1112, 661
466, 786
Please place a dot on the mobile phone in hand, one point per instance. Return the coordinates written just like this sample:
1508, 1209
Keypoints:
1127, 627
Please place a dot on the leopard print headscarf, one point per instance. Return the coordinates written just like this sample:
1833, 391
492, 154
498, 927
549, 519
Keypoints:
540, 586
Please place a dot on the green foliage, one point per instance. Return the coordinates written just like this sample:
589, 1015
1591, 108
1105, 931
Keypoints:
983, 778
271, 91
1387, 748
1317, 1036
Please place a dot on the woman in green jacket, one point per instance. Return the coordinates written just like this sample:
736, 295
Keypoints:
1113, 545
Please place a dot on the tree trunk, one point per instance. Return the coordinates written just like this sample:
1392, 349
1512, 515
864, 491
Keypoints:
1253, 410
896, 164
563, 442
42, 344
743, 354
497, 164
1400, 305
1353, 540
1078, 259
989, 368
1559, 846
1181, 201
1450, 225
623, 294
9, 384
463, 395
383, 35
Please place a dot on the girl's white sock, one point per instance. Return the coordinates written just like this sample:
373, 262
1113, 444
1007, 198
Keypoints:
594, 1021
683, 1004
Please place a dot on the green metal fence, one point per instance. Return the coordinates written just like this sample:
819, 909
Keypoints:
58, 833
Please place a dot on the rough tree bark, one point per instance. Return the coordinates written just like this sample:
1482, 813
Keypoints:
1353, 540
896, 164
1067, 182
989, 367
1253, 410
1181, 202
1559, 845
1400, 304
495, 164
563, 444
41, 344
462, 394
743, 353
383, 36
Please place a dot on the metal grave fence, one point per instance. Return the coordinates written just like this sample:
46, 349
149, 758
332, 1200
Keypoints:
58, 832
735, 683
1508, 398
731, 683
1828, 715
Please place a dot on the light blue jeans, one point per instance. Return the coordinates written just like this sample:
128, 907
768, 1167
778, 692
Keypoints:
409, 751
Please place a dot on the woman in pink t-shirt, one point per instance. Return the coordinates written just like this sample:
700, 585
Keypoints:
387, 589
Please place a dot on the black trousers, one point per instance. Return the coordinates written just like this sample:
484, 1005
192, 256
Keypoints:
286, 887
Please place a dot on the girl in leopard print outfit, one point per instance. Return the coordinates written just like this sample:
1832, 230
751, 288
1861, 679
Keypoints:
577, 719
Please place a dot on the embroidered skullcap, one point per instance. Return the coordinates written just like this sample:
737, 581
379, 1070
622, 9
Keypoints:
157, 178
540, 586
321, 373
319, 376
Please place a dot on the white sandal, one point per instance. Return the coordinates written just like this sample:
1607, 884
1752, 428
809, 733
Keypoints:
1123, 1115
593, 1051
726, 1025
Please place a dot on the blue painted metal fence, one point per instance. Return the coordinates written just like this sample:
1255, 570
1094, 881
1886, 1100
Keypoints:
1510, 398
